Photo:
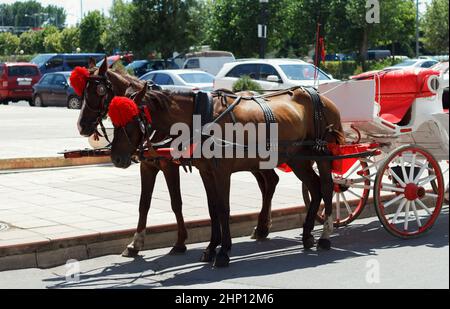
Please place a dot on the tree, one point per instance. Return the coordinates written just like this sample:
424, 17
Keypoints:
119, 27
435, 27
30, 14
162, 25
92, 27
70, 39
28, 42
9, 43
233, 25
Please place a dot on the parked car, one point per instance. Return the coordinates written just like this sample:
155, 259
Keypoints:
271, 74
378, 54
181, 79
126, 59
54, 89
209, 61
17, 80
48, 63
413, 63
141, 67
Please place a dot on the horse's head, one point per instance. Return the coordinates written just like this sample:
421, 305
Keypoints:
129, 128
96, 88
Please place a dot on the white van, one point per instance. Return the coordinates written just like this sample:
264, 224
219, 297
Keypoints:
208, 61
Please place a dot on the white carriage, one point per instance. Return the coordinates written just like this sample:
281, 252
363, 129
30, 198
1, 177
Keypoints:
402, 116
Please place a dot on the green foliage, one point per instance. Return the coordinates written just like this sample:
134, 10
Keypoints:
52, 43
344, 69
119, 27
70, 39
435, 27
92, 27
245, 83
232, 25
162, 26
9, 43
31, 14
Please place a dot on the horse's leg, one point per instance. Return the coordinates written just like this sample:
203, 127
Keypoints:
210, 252
304, 171
172, 176
222, 181
148, 178
267, 181
326, 187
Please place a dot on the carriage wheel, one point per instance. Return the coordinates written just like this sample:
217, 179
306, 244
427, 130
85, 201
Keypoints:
350, 195
410, 208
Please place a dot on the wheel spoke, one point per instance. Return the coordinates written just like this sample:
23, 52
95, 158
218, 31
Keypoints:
402, 165
422, 169
426, 180
396, 199
357, 195
411, 170
388, 187
413, 206
421, 204
431, 195
349, 210
405, 225
338, 206
399, 209
397, 178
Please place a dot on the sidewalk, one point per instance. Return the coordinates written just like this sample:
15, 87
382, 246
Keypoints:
52, 204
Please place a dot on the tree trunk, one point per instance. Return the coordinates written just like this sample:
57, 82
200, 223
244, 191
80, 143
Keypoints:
363, 48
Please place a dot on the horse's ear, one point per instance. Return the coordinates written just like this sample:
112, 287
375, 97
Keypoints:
140, 95
103, 68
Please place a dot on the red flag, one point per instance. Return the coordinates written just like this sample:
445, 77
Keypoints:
322, 49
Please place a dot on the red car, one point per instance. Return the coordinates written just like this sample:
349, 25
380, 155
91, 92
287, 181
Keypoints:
17, 80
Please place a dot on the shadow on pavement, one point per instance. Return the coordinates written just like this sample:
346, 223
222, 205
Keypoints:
251, 258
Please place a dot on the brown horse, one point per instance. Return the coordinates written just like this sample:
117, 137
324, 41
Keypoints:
102, 85
295, 117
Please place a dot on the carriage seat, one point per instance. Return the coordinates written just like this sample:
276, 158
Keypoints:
396, 90
204, 107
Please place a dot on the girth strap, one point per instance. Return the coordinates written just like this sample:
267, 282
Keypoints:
318, 117
268, 116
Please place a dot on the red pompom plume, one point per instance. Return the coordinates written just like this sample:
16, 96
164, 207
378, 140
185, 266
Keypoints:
122, 110
78, 79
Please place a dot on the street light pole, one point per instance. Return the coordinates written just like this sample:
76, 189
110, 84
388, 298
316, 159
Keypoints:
262, 28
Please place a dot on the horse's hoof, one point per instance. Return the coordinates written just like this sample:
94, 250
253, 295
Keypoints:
177, 250
130, 252
324, 244
208, 256
308, 242
222, 260
260, 233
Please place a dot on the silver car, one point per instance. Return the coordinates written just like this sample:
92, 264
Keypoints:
181, 79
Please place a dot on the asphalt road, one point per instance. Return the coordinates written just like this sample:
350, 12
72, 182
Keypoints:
363, 256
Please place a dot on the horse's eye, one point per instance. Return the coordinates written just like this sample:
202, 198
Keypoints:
101, 90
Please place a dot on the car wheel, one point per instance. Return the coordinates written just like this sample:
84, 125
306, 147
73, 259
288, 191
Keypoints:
73, 103
4, 102
38, 101
30, 102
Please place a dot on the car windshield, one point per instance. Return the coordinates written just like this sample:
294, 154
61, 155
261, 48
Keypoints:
302, 72
22, 71
197, 78
406, 63
41, 59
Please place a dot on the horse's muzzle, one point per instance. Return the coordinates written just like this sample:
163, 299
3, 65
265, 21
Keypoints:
121, 161
85, 129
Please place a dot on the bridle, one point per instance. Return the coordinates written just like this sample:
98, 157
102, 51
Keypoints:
105, 91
